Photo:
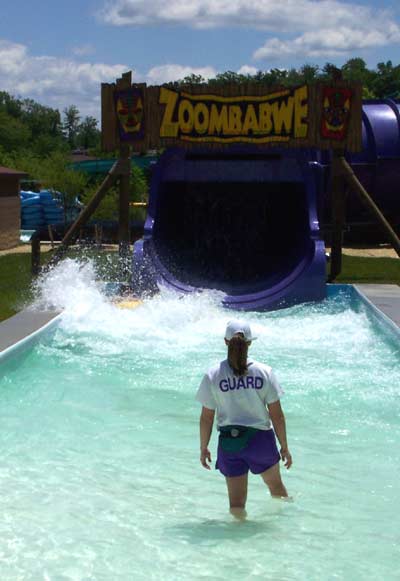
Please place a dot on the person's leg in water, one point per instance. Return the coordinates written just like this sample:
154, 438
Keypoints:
272, 478
237, 491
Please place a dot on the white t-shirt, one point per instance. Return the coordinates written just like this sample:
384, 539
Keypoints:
242, 400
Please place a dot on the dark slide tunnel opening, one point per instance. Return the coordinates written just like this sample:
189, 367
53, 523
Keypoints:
238, 236
242, 222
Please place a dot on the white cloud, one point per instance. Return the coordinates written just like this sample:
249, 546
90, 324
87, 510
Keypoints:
247, 70
53, 81
173, 72
328, 42
60, 83
84, 50
316, 27
286, 15
11, 57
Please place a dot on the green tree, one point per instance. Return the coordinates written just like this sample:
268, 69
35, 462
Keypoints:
293, 77
331, 72
40, 119
14, 134
228, 78
57, 175
355, 70
309, 73
46, 127
108, 208
193, 80
52, 172
46, 144
26, 124
386, 83
10, 105
71, 124
88, 135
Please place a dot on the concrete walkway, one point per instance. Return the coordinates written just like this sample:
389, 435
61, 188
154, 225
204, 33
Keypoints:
46, 247
379, 251
386, 297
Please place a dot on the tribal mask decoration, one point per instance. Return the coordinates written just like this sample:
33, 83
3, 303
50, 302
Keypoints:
336, 104
129, 108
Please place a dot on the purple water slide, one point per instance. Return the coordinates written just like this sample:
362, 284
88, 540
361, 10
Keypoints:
242, 222
246, 222
378, 164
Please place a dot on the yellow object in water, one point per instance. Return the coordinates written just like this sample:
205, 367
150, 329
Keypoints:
129, 304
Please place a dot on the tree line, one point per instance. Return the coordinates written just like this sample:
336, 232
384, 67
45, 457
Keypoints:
26, 124
383, 82
38, 139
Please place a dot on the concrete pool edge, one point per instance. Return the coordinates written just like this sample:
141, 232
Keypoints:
21, 331
386, 315
375, 304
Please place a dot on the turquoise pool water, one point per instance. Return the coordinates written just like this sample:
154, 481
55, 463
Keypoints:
100, 477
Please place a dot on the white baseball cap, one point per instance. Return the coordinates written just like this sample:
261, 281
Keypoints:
238, 326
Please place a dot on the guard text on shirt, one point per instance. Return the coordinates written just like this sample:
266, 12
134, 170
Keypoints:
245, 382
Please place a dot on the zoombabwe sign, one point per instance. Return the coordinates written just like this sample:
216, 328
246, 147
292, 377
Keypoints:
322, 116
196, 118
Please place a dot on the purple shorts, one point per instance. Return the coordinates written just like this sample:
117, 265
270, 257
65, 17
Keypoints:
260, 454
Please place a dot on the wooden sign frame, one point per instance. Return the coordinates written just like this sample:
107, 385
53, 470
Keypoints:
321, 116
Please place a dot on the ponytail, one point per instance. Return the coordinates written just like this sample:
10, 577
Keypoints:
237, 354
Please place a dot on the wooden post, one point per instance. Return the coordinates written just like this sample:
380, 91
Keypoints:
92, 205
125, 82
124, 191
50, 231
117, 169
98, 234
338, 215
357, 187
35, 254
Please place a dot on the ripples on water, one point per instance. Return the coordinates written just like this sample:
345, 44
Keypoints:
100, 476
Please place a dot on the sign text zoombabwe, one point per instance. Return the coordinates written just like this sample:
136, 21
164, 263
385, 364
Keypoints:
279, 116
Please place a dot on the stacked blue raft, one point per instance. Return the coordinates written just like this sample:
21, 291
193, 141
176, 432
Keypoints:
39, 210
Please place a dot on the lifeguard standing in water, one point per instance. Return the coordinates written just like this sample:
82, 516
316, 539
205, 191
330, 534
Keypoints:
245, 394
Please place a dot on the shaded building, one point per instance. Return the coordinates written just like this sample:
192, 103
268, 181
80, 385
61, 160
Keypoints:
10, 207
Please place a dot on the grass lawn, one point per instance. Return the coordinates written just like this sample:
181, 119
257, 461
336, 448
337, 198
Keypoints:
15, 275
15, 281
359, 269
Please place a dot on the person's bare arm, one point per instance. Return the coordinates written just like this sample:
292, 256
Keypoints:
278, 421
206, 424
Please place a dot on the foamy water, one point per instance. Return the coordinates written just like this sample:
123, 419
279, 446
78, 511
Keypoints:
101, 478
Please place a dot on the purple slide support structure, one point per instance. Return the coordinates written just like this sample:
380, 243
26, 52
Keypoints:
245, 221
242, 222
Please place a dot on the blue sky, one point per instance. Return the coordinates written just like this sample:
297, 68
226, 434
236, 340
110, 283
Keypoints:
59, 52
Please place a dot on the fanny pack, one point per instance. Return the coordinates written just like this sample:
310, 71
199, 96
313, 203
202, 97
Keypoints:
235, 438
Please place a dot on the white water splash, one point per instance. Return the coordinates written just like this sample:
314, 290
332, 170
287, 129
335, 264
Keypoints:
73, 288
69, 286
197, 321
